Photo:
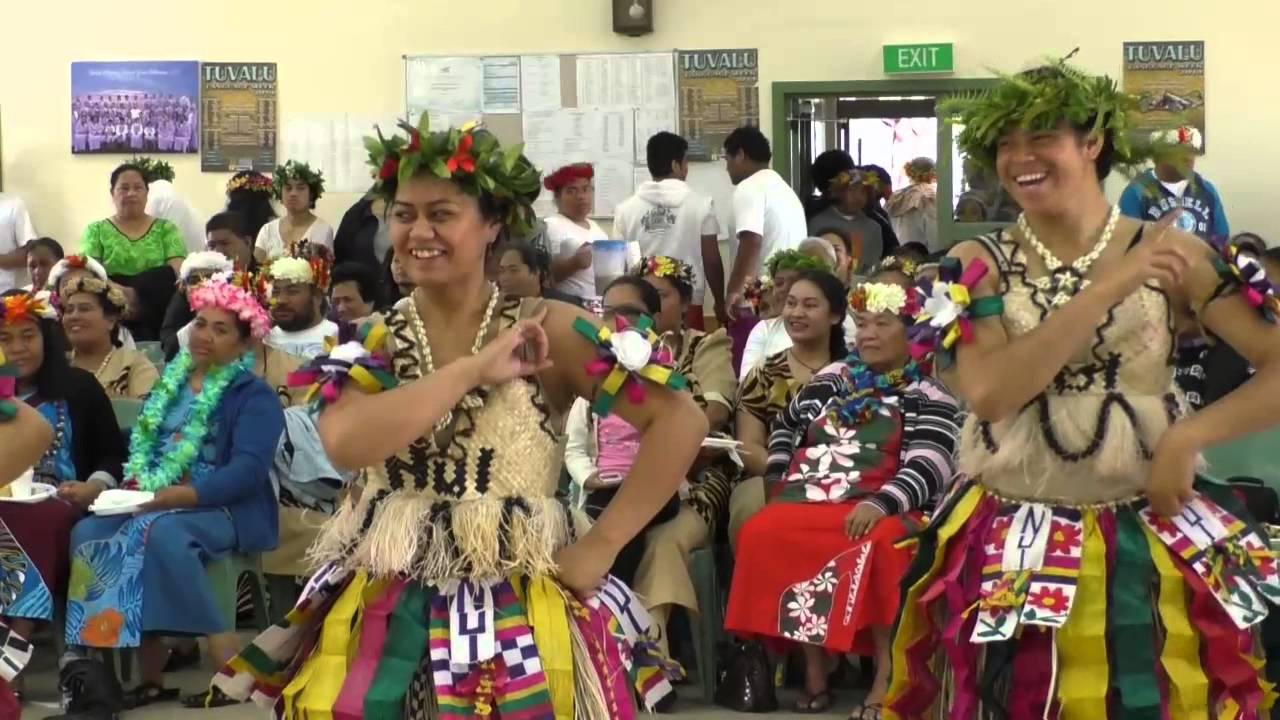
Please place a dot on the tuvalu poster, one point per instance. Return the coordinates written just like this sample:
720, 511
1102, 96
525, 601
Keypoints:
719, 92
1167, 77
238, 105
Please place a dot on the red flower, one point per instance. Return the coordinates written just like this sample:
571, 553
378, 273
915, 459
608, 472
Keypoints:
1052, 599
415, 141
462, 158
1063, 538
390, 167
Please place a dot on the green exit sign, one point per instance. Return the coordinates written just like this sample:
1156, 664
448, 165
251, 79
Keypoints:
927, 59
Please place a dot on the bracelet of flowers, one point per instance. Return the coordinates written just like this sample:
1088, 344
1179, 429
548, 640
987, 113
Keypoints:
356, 357
1245, 268
627, 355
949, 310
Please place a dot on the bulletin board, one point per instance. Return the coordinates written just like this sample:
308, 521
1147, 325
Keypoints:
599, 108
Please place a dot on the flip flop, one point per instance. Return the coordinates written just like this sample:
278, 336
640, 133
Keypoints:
212, 698
815, 703
148, 693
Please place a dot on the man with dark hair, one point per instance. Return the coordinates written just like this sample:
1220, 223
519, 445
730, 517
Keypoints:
227, 233
353, 292
666, 217
767, 215
1174, 184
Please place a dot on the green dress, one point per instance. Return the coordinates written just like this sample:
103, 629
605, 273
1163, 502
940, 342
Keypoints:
120, 255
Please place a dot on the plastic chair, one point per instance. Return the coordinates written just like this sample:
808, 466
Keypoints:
224, 574
126, 412
1253, 456
708, 623
153, 350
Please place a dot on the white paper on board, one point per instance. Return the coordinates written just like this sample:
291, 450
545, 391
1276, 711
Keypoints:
650, 122
614, 182
453, 84
540, 83
501, 84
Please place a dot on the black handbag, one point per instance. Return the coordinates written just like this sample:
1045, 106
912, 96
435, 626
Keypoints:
746, 683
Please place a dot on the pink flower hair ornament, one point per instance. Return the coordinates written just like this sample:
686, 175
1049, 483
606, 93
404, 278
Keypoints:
216, 293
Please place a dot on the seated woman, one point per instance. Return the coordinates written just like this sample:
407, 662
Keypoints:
601, 450
42, 254
71, 267
705, 360
84, 459
203, 446
812, 316
91, 312
857, 455
524, 270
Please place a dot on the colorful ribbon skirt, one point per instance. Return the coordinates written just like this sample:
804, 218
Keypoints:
1024, 611
520, 649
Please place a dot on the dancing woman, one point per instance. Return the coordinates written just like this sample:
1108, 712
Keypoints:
1076, 572
463, 574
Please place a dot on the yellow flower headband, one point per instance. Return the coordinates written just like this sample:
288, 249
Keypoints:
666, 267
109, 293
883, 298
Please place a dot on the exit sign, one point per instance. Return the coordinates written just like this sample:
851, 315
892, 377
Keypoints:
931, 58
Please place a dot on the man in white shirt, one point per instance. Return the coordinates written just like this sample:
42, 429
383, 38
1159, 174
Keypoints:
767, 215
300, 327
666, 217
16, 231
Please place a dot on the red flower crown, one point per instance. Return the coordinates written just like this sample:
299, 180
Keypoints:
567, 174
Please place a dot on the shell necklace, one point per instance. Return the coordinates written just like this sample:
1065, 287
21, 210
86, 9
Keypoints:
98, 373
1064, 281
469, 400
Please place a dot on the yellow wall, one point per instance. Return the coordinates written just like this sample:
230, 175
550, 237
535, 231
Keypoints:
337, 55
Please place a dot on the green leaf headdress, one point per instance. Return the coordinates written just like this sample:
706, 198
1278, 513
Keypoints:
1042, 99
153, 170
294, 171
793, 260
470, 156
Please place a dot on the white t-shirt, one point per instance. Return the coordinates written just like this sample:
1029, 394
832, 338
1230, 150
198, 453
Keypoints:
1177, 188
271, 241
306, 344
564, 237
769, 337
16, 230
766, 205
163, 201
666, 217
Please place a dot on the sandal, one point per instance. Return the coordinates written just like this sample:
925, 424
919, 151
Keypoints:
211, 698
869, 711
148, 693
816, 703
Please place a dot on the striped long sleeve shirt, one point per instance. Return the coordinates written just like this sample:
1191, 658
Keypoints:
929, 437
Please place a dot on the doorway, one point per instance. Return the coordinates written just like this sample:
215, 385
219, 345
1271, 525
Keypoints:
888, 123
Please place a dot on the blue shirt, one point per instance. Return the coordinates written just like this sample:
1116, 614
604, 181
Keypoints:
1146, 198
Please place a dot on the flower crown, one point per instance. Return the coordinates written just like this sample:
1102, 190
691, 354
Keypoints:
76, 262
666, 267
1039, 100
755, 291
846, 178
204, 261
255, 284
567, 174
876, 297
109, 293
153, 170
26, 307
1183, 136
254, 182
893, 263
217, 293
919, 174
793, 260
470, 156
293, 171
311, 269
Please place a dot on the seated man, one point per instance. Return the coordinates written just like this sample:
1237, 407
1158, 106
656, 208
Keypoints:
354, 292
297, 297
226, 235
135, 577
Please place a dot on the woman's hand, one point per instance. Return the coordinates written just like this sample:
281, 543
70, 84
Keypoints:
1172, 472
78, 493
582, 566
519, 351
1161, 258
862, 519
175, 497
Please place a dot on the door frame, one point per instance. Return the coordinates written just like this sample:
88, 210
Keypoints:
949, 231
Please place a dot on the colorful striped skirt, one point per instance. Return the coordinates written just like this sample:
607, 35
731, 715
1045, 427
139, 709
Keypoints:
1022, 611
519, 649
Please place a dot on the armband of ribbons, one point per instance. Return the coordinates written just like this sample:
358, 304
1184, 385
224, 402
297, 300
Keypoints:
626, 355
8, 387
949, 311
1245, 268
354, 358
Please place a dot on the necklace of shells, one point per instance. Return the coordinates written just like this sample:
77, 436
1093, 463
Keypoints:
469, 400
1064, 281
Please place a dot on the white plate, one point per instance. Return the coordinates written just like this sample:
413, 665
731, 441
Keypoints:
721, 443
115, 510
120, 502
39, 493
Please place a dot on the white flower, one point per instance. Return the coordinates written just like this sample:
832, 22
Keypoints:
831, 457
800, 606
815, 628
826, 491
289, 269
826, 582
631, 349
940, 308
348, 352
885, 297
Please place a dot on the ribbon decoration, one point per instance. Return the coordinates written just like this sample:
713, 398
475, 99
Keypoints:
8, 387
1246, 269
626, 355
949, 310
355, 357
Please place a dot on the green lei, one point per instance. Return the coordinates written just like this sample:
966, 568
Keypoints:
152, 473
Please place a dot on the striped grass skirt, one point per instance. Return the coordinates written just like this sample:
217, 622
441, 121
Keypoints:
1025, 611
385, 649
